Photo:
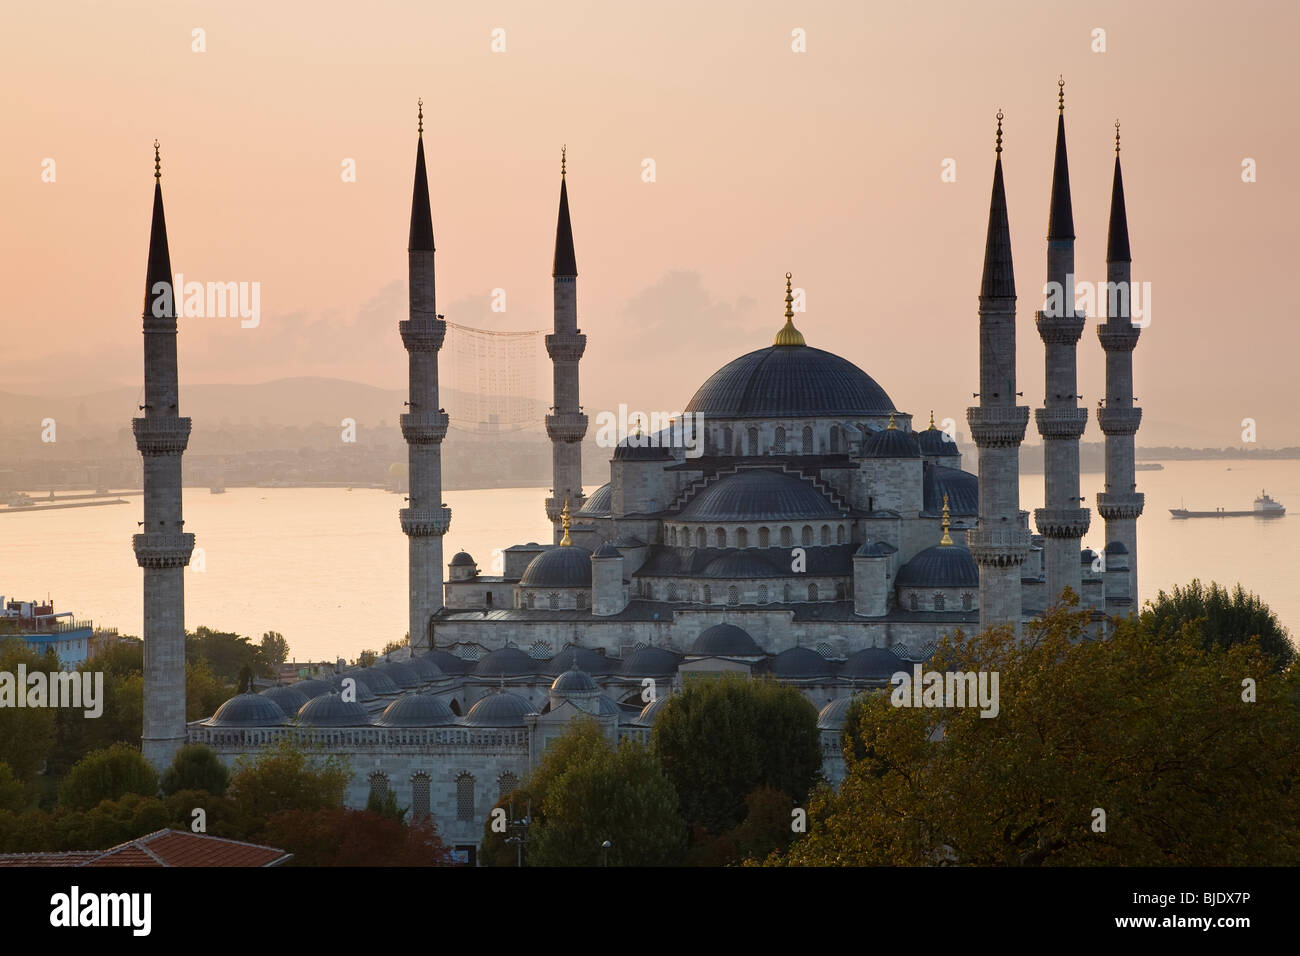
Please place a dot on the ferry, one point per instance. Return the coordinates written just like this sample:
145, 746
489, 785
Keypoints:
1265, 507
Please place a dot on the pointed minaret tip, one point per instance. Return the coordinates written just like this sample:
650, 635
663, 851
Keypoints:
999, 277
789, 335
1060, 217
421, 238
566, 263
1117, 248
159, 269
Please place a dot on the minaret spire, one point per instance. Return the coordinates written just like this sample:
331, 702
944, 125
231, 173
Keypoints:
566, 425
999, 543
163, 548
1061, 422
1121, 503
424, 425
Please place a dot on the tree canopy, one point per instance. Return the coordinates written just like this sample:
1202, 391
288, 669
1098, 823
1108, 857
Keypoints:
1219, 618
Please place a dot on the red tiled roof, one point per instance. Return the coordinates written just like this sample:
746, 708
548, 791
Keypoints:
162, 848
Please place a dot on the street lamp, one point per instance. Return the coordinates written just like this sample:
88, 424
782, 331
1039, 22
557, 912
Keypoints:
605, 851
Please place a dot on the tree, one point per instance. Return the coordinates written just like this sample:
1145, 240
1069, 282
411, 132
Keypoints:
722, 738
195, 767
107, 774
1219, 618
394, 646
365, 659
285, 778
1137, 750
493, 849
599, 794
274, 648
336, 836
27, 734
13, 794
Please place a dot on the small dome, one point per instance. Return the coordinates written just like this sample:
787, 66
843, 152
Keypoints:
564, 566
872, 663
402, 674
449, 662
583, 659
800, 662
652, 710
758, 496
599, 502
725, 640
364, 692
425, 666
1116, 547
248, 710
313, 687
936, 444
875, 549
574, 682
832, 715
331, 710
1087, 556
961, 487
942, 566
507, 662
651, 662
462, 559
607, 550
498, 710
288, 699
890, 443
416, 710
378, 681
644, 447
740, 564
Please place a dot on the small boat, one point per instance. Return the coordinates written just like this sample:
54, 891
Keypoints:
1265, 507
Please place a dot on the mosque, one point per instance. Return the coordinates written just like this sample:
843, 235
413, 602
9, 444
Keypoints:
806, 531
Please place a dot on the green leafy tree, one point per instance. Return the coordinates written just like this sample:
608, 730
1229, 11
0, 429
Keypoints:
493, 849
1219, 618
27, 734
274, 648
107, 774
724, 737
1189, 765
195, 767
285, 777
204, 691
14, 795
365, 659
606, 794
226, 653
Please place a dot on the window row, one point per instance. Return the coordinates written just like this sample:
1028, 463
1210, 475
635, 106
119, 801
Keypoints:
380, 787
686, 537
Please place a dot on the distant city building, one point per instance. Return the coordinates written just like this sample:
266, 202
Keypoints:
42, 629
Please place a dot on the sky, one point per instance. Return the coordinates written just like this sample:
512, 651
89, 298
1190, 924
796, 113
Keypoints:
826, 162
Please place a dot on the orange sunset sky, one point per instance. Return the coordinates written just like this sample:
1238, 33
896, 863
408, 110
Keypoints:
825, 163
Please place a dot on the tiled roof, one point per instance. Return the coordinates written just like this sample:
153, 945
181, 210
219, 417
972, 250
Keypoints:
161, 848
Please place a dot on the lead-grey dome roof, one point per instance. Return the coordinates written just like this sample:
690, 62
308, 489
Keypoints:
564, 566
331, 710
365, 692
507, 662
833, 714
248, 710
498, 710
651, 662
872, 663
725, 640
401, 673
890, 443
378, 681
599, 501
574, 682
800, 662
942, 566
313, 687
961, 487
758, 496
425, 666
936, 444
288, 699
461, 559
584, 659
790, 382
416, 710
449, 662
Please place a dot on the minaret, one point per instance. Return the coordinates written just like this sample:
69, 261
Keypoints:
162, 548
998, 542
1061, 421
424, 425
566, 425
1121, 503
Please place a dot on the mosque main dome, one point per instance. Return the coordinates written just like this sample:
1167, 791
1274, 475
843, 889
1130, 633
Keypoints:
790, 381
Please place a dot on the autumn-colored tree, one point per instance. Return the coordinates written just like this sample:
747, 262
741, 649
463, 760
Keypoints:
281, 778
1134, 750
724, 737
107, 774
337, 836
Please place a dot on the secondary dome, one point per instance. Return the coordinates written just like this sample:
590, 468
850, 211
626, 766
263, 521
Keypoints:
564, 566
507, 662
725, 640
331, 710
790, 382
288, 699
598, 502
800, 662
574, 682
498, 710
758, 496
890, 443
872, 663
936, 443
462, 559
401, 673
942, 566
378, 681
583, 659
416, 710
651, 661
248, 710
425, 666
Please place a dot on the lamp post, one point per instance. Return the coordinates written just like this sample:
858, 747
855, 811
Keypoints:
605, 852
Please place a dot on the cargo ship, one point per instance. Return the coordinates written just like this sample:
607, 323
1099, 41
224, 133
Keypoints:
1265, 507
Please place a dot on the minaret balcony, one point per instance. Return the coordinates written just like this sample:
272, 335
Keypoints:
422, 335
1062, 522
1062, 422
425, 522
1118, 420
998, 547
1060, 329
555, 506
1121, 505
161, 434
1122, 336
424, 428
160, 549
994, 426
566, 426
566, 346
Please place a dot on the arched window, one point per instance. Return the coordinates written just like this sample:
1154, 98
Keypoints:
672, 590
507, 784
839, 534
938, 601
378, 789
762, 594
764, 538
826, 534
835, 439
582, 600
778, 441
720, 538
812, 592
913, 602
728, 441
708, 594
529, 599
672, 536
808, 440
966, 602
420, 796
733, 594
752, 436
701, 539
465, 797
787, 537
487, 600
806, 536
742, 538
553, 600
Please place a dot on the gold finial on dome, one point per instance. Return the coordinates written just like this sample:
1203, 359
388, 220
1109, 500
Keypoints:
947, 538
932, 419
892, 427
789, 335
566, 541
157, 162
